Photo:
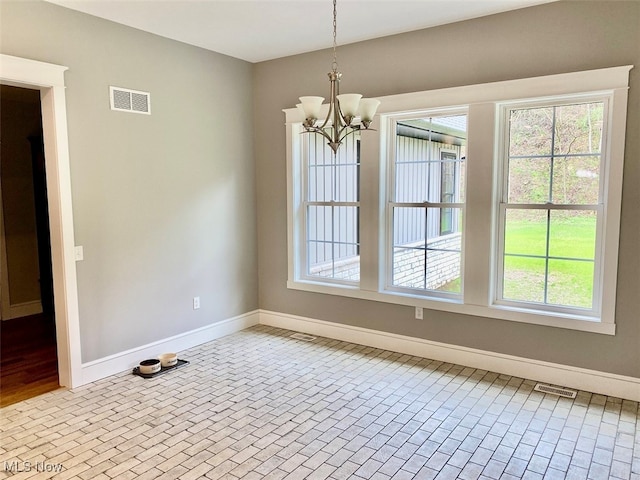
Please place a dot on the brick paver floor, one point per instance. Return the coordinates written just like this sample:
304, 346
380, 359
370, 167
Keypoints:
260, 404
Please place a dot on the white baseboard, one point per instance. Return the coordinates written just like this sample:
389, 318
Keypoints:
19, 310
553, 373
127, 360
556, 374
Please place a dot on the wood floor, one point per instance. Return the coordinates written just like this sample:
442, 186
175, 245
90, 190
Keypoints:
28, 359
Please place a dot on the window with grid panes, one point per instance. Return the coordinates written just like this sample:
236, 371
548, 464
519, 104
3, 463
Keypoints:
426, 203
551, 208
331, 209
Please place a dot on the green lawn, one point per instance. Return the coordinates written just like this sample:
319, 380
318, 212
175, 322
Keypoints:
452, 286
570, 279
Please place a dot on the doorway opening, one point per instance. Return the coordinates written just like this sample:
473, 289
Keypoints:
28, 354
48, 79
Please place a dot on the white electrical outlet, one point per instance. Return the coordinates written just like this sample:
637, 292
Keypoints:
196, 303
419, 313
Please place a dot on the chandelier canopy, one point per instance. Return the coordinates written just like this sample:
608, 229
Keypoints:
344, 109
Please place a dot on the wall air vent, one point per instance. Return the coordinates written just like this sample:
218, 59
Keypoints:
562, 392
133, 101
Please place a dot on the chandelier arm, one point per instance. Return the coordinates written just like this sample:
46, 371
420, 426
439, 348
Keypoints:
349, 131
338, 124
326, 120
319, 131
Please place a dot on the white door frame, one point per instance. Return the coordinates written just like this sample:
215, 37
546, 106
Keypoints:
49, 79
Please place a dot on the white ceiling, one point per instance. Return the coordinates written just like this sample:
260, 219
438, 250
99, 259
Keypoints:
257, 30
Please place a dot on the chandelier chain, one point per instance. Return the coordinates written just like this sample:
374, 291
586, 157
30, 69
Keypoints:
334, 65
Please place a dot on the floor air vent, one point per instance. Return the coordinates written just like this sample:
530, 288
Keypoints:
303, 336
562, 392
133, 101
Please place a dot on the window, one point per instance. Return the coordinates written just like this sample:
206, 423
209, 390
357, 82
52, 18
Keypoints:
552, 205
331, 206
426, 216
448, 189
499, 200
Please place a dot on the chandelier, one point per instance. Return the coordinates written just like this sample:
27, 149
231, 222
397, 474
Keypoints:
344, 109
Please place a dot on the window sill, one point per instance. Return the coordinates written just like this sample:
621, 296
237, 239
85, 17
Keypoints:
499, 312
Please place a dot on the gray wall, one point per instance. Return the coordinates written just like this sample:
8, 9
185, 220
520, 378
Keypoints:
542, 40
164, 205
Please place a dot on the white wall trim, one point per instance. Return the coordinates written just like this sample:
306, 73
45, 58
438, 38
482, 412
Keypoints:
543, 86
49, 79
127, 360
557, 374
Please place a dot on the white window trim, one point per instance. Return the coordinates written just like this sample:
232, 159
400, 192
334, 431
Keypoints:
482, 144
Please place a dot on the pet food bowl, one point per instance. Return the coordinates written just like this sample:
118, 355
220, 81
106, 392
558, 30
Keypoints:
150, 366
168, 359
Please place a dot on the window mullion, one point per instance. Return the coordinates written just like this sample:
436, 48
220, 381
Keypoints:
370, 220
478, 213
